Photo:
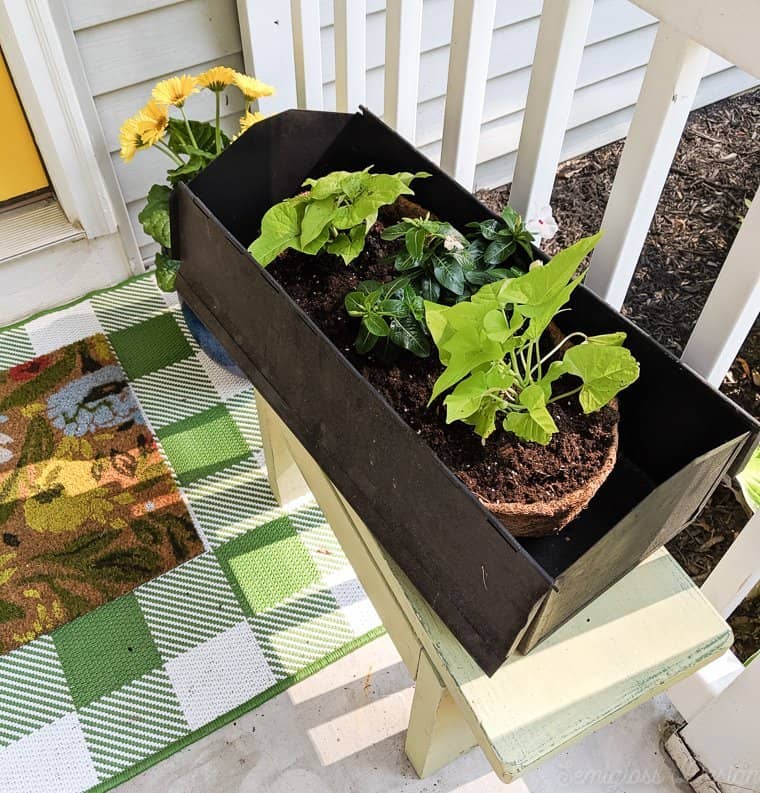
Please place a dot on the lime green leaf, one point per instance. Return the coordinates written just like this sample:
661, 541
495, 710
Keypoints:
460, 365
749, 481
608, 339
541, 315
347, 245
466, 398
316, 245
484, 421
317, 217
407, 178
280, 229
527, 428
326, 186
539, 286
605, 370
497, 328
435, 319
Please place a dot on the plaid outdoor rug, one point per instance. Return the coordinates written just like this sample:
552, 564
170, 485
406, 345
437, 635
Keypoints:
269, 601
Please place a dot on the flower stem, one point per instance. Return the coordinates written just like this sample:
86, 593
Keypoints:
168, 152
189, 129
557, 348
566, 394
217, 132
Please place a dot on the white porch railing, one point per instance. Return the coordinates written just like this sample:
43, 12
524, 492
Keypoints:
723, 699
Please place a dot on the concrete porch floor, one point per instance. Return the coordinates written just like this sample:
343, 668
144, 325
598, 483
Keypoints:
343, 730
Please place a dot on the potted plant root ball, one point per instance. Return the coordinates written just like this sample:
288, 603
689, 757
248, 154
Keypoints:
514, 443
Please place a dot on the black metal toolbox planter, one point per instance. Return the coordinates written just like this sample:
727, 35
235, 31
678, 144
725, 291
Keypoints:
678, 436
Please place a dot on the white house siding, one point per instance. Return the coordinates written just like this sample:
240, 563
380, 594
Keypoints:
617, 49
127, 45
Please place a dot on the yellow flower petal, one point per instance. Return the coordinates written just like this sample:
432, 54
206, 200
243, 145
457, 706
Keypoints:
251, 88
217, 78
175, 90
152, 122
247, 120
129, 138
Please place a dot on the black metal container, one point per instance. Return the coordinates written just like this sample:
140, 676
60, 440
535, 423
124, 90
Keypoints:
678, 435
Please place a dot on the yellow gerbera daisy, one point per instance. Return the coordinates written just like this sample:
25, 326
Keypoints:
129, 138
175, 90
251, 88
249, 119
217, 78
152, 121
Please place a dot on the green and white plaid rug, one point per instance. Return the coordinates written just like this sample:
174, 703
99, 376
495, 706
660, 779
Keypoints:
272, 600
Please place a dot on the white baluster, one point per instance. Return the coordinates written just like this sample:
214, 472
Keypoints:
403, 32
559, 49
350, 54
468, 71
307, 51
732, 305
670, 84
267, 39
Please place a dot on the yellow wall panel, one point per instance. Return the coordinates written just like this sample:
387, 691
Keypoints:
21, 169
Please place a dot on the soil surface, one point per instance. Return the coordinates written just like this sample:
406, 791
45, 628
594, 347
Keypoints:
716, 168
505, 469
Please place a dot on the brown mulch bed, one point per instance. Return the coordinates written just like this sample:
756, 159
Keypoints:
716, 168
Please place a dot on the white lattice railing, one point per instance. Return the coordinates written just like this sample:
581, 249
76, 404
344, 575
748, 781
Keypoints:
687, 32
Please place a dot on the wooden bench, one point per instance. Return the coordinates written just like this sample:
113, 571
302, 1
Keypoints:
653, 628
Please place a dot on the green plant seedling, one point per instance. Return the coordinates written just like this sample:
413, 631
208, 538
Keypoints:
495, 367
333, 215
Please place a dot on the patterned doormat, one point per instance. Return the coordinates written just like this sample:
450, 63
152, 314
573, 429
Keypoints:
88, 507
270, 600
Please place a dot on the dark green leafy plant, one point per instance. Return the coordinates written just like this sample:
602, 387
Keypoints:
392, 312
490, 347
443, 266
154, 217
497, 240
334, 215
436, 263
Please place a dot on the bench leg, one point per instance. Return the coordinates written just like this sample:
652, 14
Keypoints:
437, 732
285, 478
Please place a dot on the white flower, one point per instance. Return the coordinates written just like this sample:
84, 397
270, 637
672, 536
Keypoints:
536, 264
542, 224
452, 243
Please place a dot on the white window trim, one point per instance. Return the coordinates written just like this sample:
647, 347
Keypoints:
36, 38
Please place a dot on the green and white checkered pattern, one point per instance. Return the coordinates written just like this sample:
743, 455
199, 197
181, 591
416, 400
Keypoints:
271, 600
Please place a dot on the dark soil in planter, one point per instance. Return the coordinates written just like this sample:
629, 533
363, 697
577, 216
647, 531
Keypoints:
505, 469
716, 167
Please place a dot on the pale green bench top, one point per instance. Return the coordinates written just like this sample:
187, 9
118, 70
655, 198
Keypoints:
651, 629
